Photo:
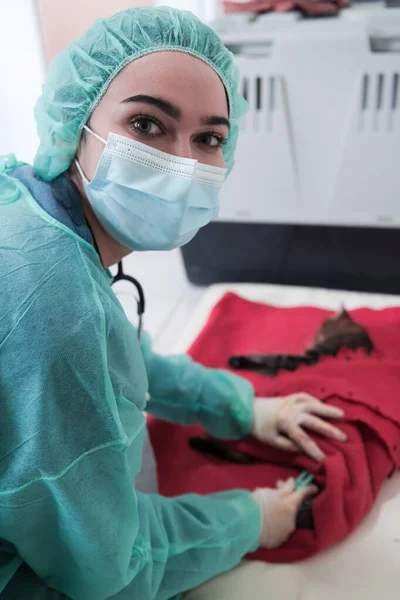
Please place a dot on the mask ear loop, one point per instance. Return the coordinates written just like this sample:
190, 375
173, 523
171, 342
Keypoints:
96, 135
81, 173
78, 166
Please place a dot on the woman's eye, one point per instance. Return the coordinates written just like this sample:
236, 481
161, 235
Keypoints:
145, 126
211, 140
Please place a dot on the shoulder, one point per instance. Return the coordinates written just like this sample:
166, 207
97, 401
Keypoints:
52, 281
46, 273
9, 189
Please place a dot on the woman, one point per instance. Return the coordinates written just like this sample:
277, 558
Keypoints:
136, 122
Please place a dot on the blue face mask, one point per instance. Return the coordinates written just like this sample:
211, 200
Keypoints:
150, 200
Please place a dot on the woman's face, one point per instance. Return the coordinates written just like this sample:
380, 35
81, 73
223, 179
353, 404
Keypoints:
167, 100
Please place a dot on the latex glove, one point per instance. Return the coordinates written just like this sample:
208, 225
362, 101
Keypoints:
280, 422
279, 508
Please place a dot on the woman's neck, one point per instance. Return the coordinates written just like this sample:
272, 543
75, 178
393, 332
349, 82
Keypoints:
110, 251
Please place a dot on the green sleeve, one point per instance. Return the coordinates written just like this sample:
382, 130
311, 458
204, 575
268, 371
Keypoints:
88, 534
185, 392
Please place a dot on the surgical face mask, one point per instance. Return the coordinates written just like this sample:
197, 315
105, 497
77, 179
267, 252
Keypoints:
150, 200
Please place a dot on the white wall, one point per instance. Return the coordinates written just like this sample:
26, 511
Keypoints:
64, 20
22, 69
207, 10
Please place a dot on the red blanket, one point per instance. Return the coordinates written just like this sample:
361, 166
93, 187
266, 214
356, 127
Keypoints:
366, 387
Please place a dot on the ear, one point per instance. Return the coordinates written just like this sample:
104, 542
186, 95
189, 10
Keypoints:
343, 314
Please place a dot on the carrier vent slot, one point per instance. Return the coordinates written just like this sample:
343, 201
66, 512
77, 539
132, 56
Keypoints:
262, 94
365, 92
379, 101
259, 95
245, 88
379, 91
395, 92
272, 93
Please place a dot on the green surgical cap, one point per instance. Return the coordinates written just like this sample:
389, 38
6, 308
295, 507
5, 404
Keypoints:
79, 76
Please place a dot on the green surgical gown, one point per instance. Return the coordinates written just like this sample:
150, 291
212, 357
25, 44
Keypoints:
73, 383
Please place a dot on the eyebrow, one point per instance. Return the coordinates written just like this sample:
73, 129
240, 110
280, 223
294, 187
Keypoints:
168, 108
214, 120
173, 111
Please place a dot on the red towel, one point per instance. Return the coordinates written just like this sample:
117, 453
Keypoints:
366, 387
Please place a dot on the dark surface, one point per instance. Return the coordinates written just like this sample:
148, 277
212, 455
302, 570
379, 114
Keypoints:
330, 257
212, 447
305, 519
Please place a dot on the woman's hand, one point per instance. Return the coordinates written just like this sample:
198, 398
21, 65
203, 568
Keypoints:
279, 508
281, 422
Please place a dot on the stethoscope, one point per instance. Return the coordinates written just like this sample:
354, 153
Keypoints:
121, 276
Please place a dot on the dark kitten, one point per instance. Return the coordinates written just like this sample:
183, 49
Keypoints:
334, 333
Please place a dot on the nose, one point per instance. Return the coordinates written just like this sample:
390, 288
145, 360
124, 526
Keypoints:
182, 147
